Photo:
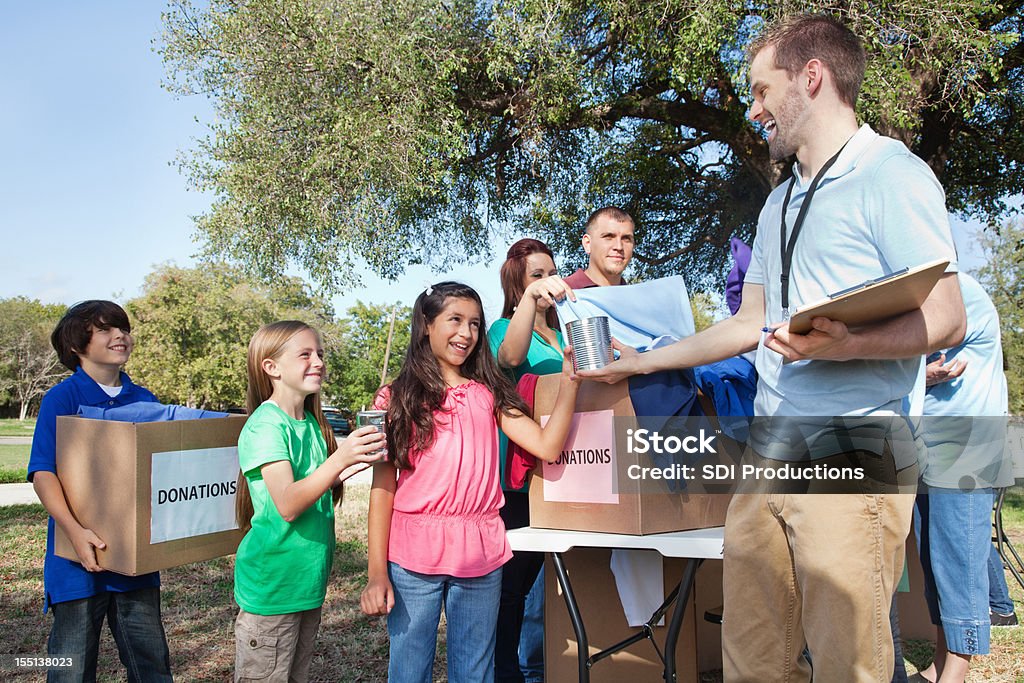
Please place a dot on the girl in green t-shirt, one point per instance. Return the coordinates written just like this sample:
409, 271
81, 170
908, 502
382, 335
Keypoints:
290, 463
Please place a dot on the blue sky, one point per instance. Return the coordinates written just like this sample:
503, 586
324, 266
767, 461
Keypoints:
90, 199
89, 202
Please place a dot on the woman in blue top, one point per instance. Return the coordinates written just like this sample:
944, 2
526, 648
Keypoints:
526, 340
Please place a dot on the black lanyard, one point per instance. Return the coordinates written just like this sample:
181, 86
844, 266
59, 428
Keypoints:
788, 246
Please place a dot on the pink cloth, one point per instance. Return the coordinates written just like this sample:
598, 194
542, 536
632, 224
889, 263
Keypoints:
519, 461
445, 518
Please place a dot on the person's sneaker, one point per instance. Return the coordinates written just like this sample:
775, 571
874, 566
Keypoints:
1003, 619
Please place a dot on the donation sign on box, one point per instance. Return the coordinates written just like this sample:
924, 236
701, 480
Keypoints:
193, 492
585, 471
589, 489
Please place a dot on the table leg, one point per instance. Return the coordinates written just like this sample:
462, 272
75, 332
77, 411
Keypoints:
582, 647
672, 635
1003, 543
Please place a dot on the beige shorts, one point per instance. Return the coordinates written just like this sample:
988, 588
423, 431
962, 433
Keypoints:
276, 648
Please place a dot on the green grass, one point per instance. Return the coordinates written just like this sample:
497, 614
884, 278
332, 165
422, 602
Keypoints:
199, 611
14, 456
17, 427
13, 476
13, 463
1013, 507
198, 607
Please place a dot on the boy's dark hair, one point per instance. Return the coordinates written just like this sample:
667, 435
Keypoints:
799, 38
74, 331
419, 390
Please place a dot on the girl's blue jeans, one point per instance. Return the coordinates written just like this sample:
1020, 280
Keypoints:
471, 609
954, 535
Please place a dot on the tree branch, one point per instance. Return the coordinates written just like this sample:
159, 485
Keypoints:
689, 248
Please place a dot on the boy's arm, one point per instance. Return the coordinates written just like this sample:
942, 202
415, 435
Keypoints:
51, 494
42, 472
379, 597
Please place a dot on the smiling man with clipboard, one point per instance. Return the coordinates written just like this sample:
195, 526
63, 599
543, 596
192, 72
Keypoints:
820, 570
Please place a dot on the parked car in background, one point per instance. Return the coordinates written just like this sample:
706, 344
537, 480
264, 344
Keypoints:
339, 422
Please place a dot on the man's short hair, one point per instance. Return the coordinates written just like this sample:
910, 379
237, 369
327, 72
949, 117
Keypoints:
611, 212
799, 38
74, 331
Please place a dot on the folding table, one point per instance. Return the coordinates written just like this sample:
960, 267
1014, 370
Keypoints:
695, 546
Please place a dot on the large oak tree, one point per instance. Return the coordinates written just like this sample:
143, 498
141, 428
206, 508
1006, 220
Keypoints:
406, 131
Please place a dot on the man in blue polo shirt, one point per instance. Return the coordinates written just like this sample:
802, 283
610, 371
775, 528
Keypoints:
93, 340
819, 570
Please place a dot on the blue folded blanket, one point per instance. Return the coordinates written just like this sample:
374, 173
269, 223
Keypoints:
147, 411
664, 317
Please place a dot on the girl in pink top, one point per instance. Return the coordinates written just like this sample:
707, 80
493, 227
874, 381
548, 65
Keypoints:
435, 537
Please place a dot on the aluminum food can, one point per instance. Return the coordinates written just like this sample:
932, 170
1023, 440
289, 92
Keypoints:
374, 418
591, 341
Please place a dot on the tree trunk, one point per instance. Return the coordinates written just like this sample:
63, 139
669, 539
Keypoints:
387, 349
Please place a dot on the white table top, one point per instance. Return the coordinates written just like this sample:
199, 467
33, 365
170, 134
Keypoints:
700, 543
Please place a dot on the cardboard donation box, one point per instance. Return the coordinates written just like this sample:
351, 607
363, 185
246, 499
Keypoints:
591, 490
159, 494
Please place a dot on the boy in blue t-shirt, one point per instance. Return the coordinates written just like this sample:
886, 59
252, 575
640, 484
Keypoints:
94, 341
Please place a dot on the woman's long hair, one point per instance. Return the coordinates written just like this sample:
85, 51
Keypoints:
419, 390
513, 274
269, 342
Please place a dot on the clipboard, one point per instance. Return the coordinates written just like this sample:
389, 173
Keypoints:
884, 297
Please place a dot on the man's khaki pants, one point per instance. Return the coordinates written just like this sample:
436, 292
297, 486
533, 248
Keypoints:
815, 570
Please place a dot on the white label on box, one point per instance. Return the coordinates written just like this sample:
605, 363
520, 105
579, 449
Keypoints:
193, 493
585, 470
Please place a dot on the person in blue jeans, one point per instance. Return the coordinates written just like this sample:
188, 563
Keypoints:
531, 637
963, 428
94, 341
1000, 606
525, 340
436, 536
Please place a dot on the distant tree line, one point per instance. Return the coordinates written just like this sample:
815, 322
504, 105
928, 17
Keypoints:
1003, 278
192, 328
28, 364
